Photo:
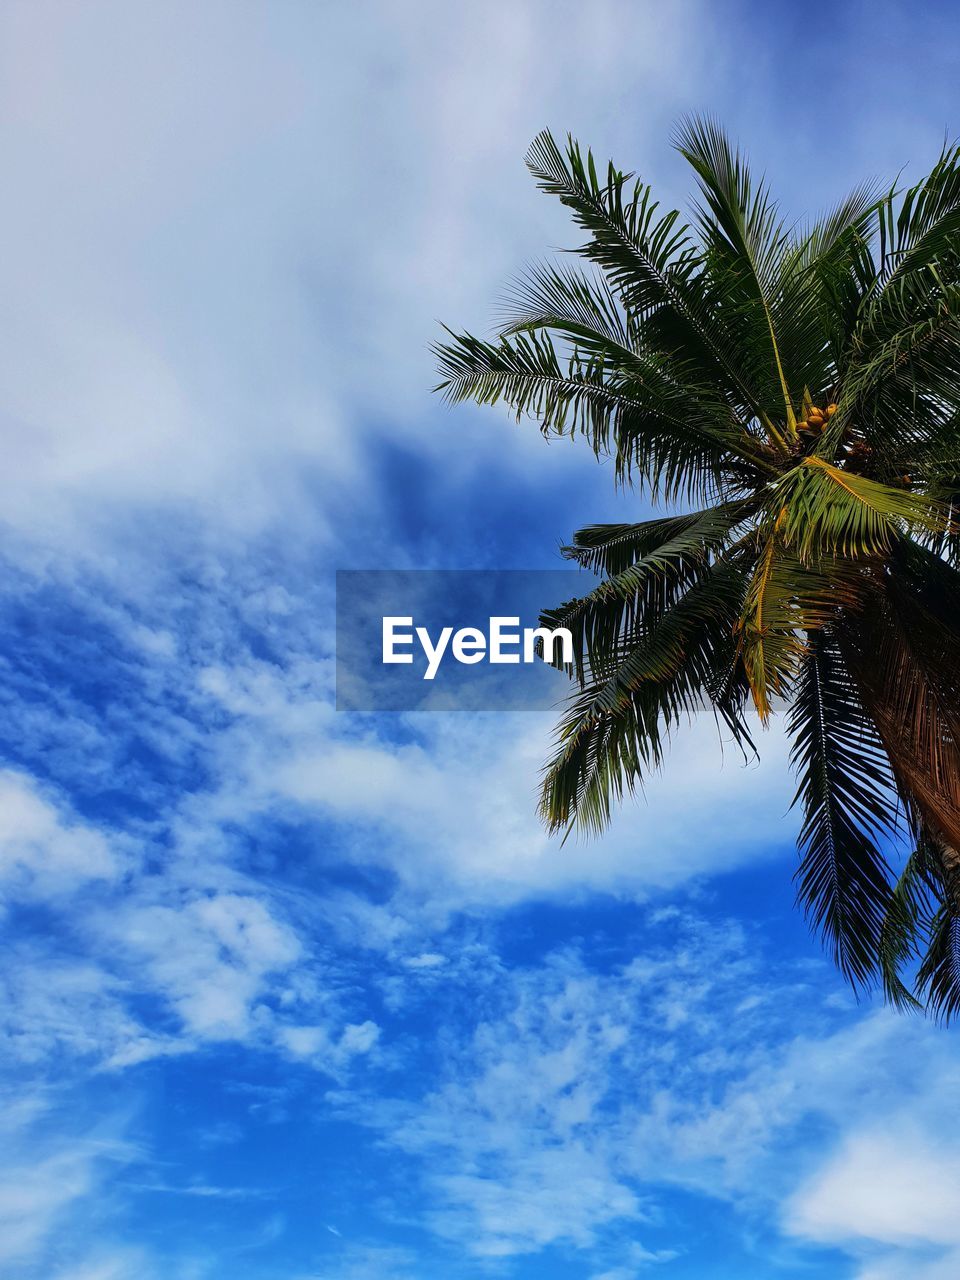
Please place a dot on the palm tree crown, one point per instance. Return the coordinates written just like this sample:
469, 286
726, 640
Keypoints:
796, 394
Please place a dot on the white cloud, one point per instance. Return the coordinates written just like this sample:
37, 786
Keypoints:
426, 960
577, 1079
227, 259
210, 958
889, 1194
33, 1196
540, 1198
637, 1258
401, 800
912, 1266
41, 854
50, 1006
527, 1140
115, 1264
228, 968
359, 1261
214, 948
314, 1042
49, 1183
887, 1185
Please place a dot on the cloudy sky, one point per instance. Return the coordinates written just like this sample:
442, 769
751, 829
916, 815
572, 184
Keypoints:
296, 994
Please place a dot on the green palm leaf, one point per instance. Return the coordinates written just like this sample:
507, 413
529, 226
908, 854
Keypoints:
847, 794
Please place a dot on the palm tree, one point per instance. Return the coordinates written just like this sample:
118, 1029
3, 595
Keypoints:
795, 392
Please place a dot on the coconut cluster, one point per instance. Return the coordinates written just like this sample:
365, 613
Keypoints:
816, 419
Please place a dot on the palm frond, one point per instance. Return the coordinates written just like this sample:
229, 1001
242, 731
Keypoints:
741, 225
651, 261
649, 567
846, 789
900, 934
938, 975
938, 978
565, 300
830, 238
611, 548
916, 942
651, 428
828, 512
926, 226
786, 598
614, 730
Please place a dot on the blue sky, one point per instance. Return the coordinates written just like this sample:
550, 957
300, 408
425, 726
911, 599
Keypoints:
291, 994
